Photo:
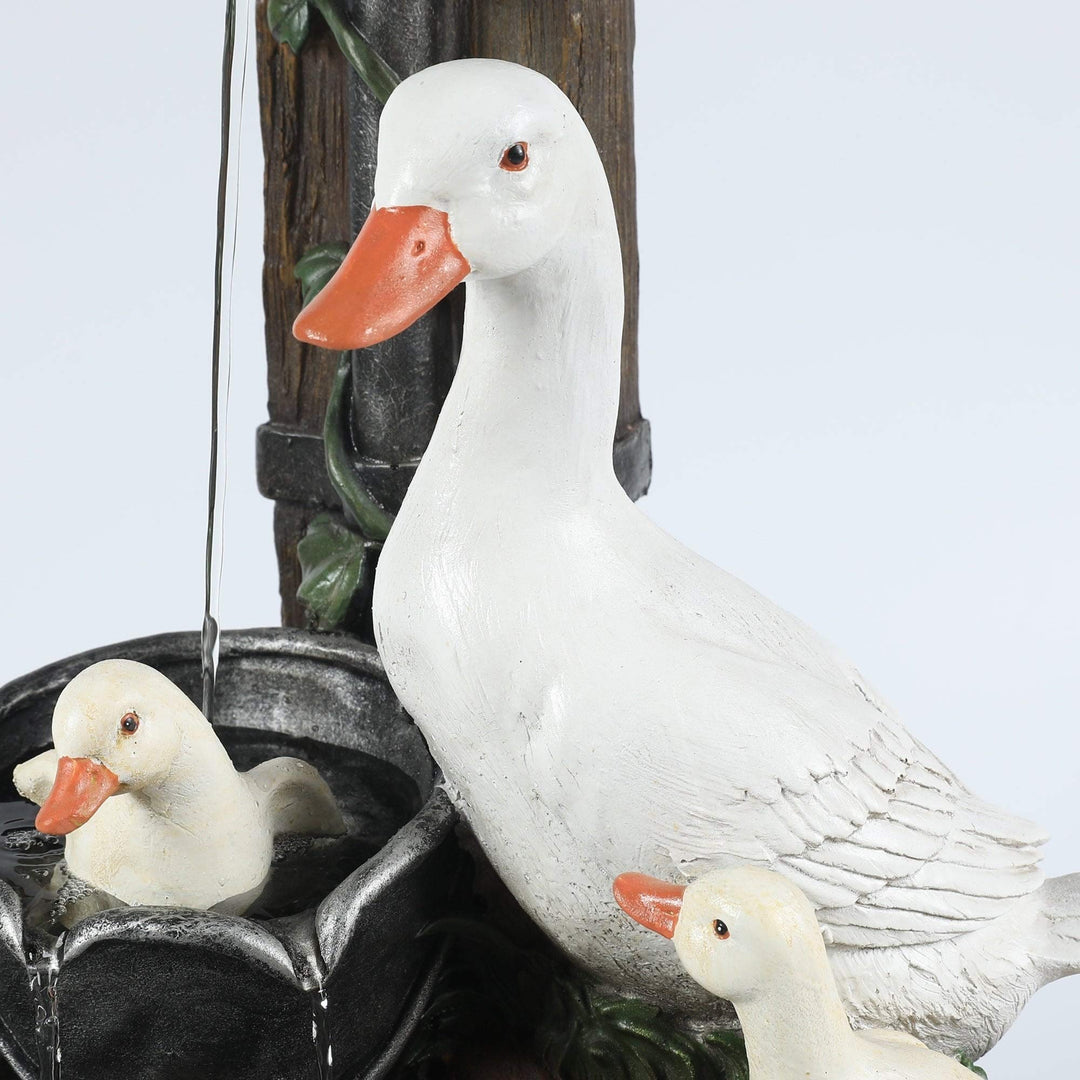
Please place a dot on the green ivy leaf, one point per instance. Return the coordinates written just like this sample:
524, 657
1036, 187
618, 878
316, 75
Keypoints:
728, 1049
643, 1062
377, 74
619, 1010
335, 562
969, 1064
317, 266
290, 22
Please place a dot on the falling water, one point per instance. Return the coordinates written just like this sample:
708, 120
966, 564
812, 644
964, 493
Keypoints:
221, 362
320, 1032
43, 965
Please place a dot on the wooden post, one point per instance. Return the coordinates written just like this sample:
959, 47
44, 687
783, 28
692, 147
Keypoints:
303, 111
319, 126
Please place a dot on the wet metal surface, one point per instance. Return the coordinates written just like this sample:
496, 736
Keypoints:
172, 993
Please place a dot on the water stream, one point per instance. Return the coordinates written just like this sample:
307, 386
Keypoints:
237, 20
320, 1032
43, 965
30, 861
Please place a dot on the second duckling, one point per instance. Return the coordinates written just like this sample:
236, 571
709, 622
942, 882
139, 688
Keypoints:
750, 936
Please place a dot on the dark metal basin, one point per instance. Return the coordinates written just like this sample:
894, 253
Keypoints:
174, 994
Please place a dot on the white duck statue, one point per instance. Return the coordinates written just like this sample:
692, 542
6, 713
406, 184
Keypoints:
153, 810
750, 936
599, 696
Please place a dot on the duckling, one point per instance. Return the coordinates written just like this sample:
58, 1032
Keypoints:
152, 807
750, 936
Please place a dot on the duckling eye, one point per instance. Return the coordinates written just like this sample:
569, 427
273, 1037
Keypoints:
515, 157
129, 723
720, 930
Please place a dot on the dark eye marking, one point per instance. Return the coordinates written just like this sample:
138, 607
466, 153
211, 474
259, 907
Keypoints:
515, 157
129, 723
720, 930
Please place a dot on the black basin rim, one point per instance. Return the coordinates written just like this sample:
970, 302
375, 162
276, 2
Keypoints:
415, 840
410, 1019
433, 821
230, 935
11, 924
178, 646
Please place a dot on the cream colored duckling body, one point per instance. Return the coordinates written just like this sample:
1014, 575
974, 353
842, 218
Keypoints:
152, 806
750, 936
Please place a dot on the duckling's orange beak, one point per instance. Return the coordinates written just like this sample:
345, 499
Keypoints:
403, 262
80, 787
650, 901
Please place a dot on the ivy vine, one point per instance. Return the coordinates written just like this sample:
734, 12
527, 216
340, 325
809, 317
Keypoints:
337, 557
290, 23
317, 266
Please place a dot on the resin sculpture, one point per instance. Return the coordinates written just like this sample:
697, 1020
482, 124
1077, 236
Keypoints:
599, 696
337, 945
749, 936
151, 804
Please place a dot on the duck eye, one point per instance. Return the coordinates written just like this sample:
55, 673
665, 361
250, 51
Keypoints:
515, 157
720, 930
129, 723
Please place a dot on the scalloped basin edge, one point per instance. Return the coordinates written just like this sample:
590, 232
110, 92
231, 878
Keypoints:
171, 993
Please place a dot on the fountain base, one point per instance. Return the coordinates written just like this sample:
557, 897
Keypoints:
170, 993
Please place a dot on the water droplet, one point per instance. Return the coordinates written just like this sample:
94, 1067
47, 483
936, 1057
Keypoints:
43, 967
320, 1033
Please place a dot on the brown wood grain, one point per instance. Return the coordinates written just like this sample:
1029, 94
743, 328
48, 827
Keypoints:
290, 523
302, 107
303, 113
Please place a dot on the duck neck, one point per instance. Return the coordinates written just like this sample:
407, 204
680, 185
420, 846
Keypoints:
797, 1031
537, 388
200, 780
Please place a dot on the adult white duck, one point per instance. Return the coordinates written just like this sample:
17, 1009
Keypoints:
750, 936
152, 807
599, 696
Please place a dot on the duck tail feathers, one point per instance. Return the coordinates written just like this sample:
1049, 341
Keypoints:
295, 798
1057, 948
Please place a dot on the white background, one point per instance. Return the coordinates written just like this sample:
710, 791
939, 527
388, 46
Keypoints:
859, 346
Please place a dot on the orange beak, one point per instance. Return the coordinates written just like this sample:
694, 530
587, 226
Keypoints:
80, 787
649, 901
400, 266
